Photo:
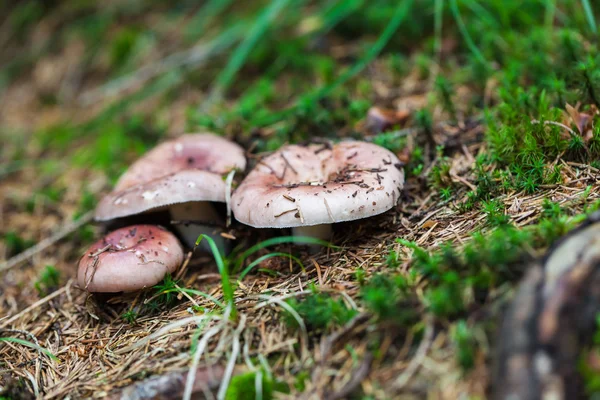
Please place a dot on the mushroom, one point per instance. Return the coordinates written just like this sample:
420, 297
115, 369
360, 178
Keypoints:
129, 259
308, 188
183, 175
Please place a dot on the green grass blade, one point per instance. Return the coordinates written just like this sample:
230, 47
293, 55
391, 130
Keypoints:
589, 14
241, 53
197, 26
370, 55
156, 87
265, 257
278, 240
438, 17
549, 14
30, 344
196, 293
465, 33
361, 64
483, 14
337, 13
228, 292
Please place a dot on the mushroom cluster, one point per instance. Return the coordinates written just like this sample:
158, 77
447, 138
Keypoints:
306, 188
185, 177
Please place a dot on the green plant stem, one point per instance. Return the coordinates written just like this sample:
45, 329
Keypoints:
239, 260
373, 52
590, 16
465, 33
222, 265
29, 344
265, 257
241, 53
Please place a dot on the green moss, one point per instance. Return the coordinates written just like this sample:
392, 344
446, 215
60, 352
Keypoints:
243, 387
48, 280
440, 174
445, 91
320, 311
301, 378
129, 316
453, 277
390, 140
384, 295
165, 292
392, 260
123, 46
494, 212
463, 338
15, 244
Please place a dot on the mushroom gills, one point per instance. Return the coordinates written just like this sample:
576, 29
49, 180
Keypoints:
196, 218
321, 231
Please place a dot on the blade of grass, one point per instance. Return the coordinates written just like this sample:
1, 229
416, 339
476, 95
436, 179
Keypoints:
202, 345
549, 14
589, 14
370, 55
228, 184
195, 57
337, 12
361, 64
438, 16
239, 260
195, 292
242, 51
158, 86
228, 292
196, 27
484, 14
265, 257
465, 33
29, 344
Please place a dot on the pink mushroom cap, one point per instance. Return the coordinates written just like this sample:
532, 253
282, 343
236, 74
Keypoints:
319, 184
189, 168
129, 259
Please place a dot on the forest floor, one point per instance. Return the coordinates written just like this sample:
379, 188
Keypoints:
491, 106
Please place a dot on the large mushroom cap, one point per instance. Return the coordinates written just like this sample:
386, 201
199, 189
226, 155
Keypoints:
128, 259
189, 168
318, 184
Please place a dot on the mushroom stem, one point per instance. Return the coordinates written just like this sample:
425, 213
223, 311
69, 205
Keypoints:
322, 232
201, 211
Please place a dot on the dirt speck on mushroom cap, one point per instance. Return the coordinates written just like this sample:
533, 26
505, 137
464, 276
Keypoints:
311, 185
128, 259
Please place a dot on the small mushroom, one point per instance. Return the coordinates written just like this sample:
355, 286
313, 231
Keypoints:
183, 175
308, 188
129, 259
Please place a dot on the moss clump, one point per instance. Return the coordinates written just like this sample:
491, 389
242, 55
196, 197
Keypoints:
320, 311
48, 280
384, 295
243, 387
